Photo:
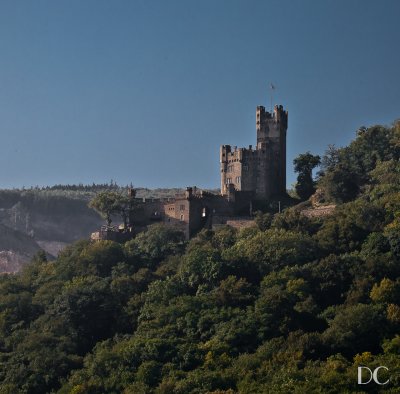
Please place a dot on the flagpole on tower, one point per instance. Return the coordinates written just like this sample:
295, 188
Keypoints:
272, 88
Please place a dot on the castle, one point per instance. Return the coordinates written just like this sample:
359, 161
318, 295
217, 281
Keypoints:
248, 175
260, 171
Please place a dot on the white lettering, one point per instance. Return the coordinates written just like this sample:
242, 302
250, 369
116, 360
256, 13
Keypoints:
360, 375
375, 375
372, 375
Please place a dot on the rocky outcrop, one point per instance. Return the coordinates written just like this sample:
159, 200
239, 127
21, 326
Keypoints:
16, 249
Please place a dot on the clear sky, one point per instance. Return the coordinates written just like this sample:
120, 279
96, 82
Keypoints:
146, 91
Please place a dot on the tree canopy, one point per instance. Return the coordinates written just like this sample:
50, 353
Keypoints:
293, 304
303, 165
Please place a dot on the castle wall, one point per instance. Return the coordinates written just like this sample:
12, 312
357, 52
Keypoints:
238, 167
148, 210
237, 222
247, 174
177, 214
189, 212
261, 170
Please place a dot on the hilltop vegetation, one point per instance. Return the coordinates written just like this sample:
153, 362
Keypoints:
8, 197
291, 306
50, 218
61, 212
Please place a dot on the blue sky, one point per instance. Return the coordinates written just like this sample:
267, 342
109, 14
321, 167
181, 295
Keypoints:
146, 91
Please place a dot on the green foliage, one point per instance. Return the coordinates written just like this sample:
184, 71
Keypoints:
303, 165
106, 204
263, 220
346, 171
154, 245
201, 265
273, 249
387, 291
350, 225
293, 305
224, 237
233, 291
293, 219
340, 184
355, 329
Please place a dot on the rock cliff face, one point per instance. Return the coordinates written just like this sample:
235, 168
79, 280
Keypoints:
31, 221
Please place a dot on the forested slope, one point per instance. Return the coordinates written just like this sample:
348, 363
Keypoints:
50, 218
291, 306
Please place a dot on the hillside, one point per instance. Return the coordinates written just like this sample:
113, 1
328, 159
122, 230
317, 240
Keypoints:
35, 219
16, 249
293, 305
50, 218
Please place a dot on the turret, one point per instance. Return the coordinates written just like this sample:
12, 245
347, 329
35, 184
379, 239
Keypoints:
224, 151
260, 170
281, 116
188, 193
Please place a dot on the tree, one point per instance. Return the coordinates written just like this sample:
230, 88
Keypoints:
293, 219
105, 203
387, 291
272, 249
263, 220
340, 184
154, 245
303, 165
356, 328
330, 159
123, 205
108, 203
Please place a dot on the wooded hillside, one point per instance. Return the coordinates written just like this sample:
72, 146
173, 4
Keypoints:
291, 306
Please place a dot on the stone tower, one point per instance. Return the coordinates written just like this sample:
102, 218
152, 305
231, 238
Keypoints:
260, 170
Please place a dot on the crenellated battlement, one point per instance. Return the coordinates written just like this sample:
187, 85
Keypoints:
262, 169
247, 173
